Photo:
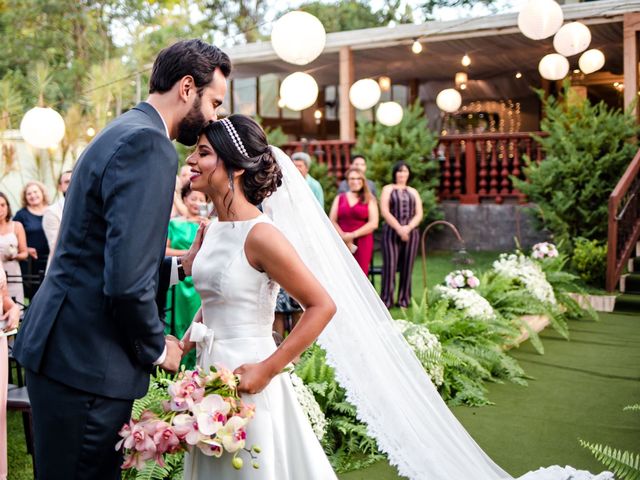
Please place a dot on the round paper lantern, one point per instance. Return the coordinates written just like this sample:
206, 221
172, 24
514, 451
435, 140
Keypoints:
553, 67
540, 19
299, 91
572, 39
42, 127
389, 113
298, 37
591, 61
449, 100
364, 93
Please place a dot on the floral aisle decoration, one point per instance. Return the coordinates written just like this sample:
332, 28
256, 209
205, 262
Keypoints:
528, 272
426, 347
310, 406
195, 409
461, 279
467, 300
544, 250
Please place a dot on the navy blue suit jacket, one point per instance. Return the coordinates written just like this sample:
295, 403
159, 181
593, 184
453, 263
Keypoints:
94, 324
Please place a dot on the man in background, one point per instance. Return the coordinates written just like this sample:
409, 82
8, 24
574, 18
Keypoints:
302, 161
360, 163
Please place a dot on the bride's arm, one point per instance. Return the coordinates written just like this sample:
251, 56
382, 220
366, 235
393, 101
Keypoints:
269, 251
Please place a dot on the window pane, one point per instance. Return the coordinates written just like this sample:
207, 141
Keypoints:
269, 96
331, 102
244, 96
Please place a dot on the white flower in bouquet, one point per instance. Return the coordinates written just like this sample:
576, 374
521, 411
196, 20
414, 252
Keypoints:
310, 406
426, 347
469, 301
544, 250
528, 272
461, 279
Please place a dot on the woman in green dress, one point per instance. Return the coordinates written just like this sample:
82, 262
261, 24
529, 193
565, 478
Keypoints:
182, 231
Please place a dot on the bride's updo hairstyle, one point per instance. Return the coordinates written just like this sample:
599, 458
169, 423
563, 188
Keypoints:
242, 144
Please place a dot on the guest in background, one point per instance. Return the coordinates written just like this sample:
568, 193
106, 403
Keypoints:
179, 209
182, 231
355, 216
302, 161
401, 208
34, 202
360, 163
9, 318
53, 214
13, 248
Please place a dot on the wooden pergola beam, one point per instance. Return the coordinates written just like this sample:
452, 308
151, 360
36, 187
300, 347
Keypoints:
347, 112
631, 31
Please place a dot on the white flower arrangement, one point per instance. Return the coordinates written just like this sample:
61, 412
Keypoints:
310, 406
469, 301
544, 250
461, 279
426, 347
528, 272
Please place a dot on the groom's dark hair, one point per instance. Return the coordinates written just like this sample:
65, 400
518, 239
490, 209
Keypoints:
188, 57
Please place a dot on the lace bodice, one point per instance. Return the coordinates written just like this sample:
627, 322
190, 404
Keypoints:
235, 296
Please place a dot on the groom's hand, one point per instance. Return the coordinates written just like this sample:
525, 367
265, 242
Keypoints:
174, 354
187, 259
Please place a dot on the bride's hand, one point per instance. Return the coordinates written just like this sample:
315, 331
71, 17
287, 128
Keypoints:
254, 377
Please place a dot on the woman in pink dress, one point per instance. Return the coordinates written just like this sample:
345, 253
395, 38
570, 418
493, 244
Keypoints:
355, 216
9, 318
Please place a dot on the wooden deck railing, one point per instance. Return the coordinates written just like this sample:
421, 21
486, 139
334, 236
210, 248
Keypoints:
624, 222
472, 167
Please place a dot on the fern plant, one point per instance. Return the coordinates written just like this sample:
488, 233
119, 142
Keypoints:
624, 464
346, 441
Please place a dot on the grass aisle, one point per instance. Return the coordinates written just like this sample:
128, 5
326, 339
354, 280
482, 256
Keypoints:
579, 390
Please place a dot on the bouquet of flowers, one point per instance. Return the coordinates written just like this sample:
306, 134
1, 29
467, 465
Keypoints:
199, 409
461, 279
544, 250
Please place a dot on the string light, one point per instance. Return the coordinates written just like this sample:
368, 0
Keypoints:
416, 47
466, 60
518, 75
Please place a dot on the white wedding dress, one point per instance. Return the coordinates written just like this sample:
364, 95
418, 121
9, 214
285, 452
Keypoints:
238, 304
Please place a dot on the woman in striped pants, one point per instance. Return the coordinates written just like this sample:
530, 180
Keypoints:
401, 208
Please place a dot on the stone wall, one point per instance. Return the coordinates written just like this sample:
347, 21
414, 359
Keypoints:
486, 227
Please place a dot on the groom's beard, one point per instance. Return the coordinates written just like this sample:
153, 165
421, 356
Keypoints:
190, 126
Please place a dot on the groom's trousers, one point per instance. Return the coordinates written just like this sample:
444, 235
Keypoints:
75, 432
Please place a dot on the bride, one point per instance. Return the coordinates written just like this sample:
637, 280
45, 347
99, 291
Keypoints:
243, 258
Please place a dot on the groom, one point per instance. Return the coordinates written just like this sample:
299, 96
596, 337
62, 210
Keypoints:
92, 334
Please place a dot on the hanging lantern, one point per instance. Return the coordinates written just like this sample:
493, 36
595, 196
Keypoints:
591, 61
461, 78
449, 100
299, 91
416, 47
389, 113
42, 127
572, 39
540, 19
364, 94
466, 60
553, 67
298, 37
385, 83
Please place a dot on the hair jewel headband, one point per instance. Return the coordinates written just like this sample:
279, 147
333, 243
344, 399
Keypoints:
233, 133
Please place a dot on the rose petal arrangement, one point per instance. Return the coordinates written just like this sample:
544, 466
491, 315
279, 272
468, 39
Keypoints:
201, 409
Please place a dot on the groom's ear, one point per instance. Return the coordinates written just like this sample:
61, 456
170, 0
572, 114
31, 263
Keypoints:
186, 88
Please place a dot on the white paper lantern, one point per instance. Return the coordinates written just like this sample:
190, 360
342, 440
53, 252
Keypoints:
298, 37
299, 91
553, 67
364, 94
449, 100
572, 39
389, 113
591, 61
42, 127
540, 19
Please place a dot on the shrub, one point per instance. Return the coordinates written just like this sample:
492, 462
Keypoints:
587, 151
590, 261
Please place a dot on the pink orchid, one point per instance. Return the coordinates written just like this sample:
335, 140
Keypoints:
210, 447
165, 438
185, 393
233, 434
247, 410
186, 428
136, 460
211, 414
227, 377
138, 438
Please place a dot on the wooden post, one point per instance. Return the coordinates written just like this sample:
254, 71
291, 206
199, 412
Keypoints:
631, 27
470, 197
347, 113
